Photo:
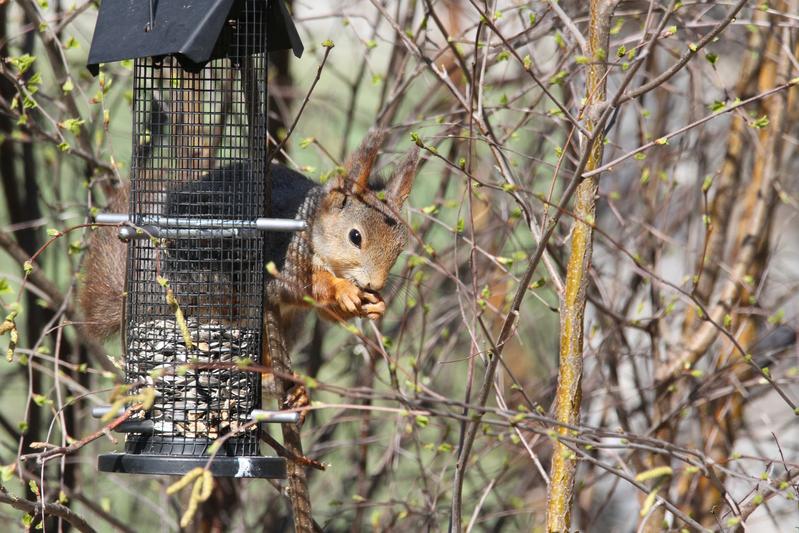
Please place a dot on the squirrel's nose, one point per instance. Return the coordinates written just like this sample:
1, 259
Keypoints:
375, 285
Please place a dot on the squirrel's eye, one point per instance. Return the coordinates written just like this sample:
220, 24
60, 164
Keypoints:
355, 237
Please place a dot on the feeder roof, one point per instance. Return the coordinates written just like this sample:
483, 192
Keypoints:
194, 31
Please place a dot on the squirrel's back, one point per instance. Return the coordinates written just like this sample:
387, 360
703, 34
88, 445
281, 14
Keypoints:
225, 194
217, 195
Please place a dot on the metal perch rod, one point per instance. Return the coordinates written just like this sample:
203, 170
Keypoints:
161, 226
263, 224
257, 415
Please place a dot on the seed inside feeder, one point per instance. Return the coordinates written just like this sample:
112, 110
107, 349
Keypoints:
194, 401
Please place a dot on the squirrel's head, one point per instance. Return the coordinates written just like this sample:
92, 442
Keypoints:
357, 233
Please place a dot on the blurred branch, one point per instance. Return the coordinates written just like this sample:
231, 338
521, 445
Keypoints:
37, 277
699, 340
571, 26
355, 89
34, 129
782, 87
723, 419
277, 149
60, 66
568, 396
685, 58
297, 489
45, 509
487, 19
58, 451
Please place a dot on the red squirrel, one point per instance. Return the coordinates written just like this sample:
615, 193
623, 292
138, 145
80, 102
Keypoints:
341, 260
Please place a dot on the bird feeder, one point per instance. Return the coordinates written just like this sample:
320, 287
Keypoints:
196, 237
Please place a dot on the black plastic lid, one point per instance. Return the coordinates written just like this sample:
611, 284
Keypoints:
194, 31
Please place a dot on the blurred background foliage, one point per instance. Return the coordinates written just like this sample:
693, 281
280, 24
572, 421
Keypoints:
466, 81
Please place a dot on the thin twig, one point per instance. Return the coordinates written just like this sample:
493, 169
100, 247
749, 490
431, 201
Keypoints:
277, 149
48, 508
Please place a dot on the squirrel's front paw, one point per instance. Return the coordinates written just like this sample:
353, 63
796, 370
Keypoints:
348, 296
373, 307
297, 398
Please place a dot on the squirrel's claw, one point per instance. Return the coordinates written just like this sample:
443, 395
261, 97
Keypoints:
297, 398
350, 300
348, 296
371, 297
375, 307
375, 311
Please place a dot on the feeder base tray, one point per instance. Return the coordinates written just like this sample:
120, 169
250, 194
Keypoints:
241, 467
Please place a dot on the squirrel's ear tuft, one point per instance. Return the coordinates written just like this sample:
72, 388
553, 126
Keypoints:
360, 163
337, 182
399, 186
334, 198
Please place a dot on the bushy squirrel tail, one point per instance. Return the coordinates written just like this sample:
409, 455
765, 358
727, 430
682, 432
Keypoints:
102, 288
101, 292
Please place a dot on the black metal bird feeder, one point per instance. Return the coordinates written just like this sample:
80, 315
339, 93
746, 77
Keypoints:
196, 239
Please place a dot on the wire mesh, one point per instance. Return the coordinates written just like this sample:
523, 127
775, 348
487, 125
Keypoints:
199, 154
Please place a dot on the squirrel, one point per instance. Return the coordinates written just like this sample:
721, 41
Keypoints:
338, 264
